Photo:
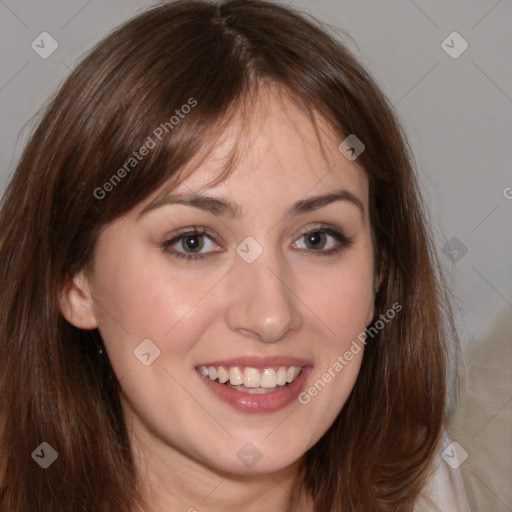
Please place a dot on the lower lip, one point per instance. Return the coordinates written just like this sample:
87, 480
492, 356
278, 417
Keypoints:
261, 402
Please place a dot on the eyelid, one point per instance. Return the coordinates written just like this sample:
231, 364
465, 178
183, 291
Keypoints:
190, 230
320, 226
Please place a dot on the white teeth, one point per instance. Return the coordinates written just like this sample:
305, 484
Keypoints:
281, 376
252, 378
235, 376
255, 391
222, 374
290, 374
268, 378
212, 372
258, 380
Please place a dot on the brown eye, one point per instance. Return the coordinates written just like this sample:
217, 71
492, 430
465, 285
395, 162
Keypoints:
315, 239
190, 245
194, 243
323, 241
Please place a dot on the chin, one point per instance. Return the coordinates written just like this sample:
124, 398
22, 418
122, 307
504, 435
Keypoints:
254, 458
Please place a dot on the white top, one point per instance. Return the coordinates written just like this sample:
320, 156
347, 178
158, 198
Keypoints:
444, 491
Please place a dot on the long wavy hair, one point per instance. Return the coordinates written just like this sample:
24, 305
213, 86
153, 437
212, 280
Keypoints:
56, 387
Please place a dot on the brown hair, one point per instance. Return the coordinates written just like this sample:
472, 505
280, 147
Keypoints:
54, 385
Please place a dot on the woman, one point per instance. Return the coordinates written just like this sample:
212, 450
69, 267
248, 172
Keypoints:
218, 287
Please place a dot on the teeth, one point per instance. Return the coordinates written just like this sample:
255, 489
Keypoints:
281, 376
252, 378
222, 374
212, 371
268, 378
258, 381
256, 391
235, 376
290, 374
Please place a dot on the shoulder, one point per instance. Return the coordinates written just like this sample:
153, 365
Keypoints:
444, 490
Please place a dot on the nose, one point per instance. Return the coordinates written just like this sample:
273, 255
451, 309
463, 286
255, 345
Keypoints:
262, 302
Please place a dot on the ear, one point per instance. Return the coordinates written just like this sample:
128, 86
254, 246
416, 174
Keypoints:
76, 302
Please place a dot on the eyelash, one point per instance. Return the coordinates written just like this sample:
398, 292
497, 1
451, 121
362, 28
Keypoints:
339, 236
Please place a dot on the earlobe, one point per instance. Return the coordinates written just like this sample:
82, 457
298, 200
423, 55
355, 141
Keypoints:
76, 302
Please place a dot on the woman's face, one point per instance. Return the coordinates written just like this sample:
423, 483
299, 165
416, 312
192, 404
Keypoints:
263, 279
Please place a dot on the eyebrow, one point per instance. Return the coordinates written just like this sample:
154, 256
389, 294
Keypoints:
223, 207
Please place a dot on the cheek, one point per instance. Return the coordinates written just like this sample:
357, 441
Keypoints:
343, 304
152, 300
342, 299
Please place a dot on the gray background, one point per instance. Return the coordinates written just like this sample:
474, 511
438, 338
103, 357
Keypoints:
458, 115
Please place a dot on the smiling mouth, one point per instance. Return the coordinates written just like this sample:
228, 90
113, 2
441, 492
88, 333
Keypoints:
252, 380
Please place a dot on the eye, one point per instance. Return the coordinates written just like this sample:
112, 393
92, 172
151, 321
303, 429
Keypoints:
323, 240
191, 244
196, 243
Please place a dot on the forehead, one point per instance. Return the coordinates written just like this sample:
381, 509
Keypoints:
276, 147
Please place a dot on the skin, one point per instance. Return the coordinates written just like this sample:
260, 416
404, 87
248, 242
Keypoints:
290, 301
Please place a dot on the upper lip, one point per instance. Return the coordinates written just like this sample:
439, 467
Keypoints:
259, 362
